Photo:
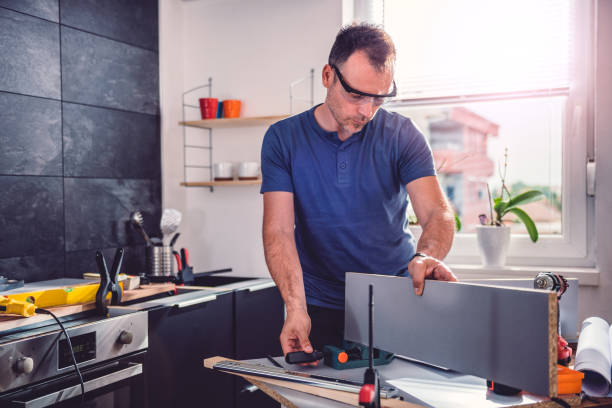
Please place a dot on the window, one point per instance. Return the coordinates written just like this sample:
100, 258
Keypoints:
484, 78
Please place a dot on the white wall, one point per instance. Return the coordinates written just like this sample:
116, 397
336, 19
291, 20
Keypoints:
253, 50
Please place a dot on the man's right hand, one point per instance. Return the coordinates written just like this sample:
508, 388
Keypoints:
294, 336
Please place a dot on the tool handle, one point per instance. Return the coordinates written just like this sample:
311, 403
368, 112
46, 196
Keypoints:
185, 257
178, 261
298, 357
12, 306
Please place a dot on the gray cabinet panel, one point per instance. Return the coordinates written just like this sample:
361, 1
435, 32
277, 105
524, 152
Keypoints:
102, 142
101, 72
98, 211
32, 216
133, 22
30, 52
30, 136
47, 9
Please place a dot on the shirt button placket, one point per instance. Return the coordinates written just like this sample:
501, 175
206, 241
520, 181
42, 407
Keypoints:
342, 167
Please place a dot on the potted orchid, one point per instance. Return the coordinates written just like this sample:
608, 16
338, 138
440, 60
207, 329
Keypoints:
493, 236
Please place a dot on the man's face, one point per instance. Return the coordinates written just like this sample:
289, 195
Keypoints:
352, 111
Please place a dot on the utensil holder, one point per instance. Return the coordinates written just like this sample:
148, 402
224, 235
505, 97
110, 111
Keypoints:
160, 262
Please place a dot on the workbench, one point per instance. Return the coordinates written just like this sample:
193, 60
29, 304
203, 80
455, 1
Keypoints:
419, 384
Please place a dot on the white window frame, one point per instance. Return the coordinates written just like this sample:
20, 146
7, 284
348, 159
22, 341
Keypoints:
575, 247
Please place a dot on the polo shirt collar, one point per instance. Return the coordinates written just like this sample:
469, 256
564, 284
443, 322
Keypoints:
333, 136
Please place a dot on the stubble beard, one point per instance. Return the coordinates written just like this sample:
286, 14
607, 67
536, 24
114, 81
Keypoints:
347, 125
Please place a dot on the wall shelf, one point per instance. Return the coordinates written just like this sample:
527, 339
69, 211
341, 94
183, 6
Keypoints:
221, 183
234, 122
210, 124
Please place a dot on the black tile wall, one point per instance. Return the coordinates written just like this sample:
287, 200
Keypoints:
30, 52
79, 134
34, 268
30, 135
98, 211
80, 262
32, 220
47, 9
101, 142
133, 22
102, 72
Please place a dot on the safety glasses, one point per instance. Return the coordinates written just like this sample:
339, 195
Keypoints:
359, 96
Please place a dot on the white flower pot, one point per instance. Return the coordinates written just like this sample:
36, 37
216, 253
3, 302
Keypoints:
493, 243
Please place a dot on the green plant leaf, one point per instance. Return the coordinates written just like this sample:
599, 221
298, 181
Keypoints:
524, 198
457, 222
500, 207
531, 227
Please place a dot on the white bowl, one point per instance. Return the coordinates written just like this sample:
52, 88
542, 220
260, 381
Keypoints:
248, 170
223, 171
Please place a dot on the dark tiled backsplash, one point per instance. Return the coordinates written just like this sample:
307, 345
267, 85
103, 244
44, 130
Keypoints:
98, 211
133, 22
32, 220
47, 9
81, 149
30, 53
30, 135
102, 72
101, 142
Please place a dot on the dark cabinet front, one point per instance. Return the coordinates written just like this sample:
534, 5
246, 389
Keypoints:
259, 317
180, 338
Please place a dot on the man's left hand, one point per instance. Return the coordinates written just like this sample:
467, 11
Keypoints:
427, 267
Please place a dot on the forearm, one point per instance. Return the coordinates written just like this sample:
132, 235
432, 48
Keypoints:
437, 236
284, 266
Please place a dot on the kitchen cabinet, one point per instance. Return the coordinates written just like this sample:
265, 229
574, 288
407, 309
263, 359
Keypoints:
180, 338
239, 318
259, 317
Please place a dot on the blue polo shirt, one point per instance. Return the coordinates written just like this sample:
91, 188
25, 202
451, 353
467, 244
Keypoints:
349, 197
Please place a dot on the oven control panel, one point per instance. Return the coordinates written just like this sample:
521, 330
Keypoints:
83, 347
44, 353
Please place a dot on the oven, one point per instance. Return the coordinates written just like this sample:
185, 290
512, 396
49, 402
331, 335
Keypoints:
36, 368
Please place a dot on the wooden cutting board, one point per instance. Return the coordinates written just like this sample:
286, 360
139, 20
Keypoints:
9, 322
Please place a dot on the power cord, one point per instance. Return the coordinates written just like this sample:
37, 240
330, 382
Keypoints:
76, 366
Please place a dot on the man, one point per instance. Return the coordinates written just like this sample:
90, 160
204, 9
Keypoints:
335, 180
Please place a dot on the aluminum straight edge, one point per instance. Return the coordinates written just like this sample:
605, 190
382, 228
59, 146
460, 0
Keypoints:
504, 334
238, 367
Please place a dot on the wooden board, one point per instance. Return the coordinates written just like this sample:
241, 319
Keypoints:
500, 333
227, 183
234, 122
9, 322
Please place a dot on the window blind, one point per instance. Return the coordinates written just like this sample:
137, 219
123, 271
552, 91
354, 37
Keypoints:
463, 50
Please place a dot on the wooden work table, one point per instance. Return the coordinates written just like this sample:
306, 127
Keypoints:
420, 386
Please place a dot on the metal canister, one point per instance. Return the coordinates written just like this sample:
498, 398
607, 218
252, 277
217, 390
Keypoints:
160, 262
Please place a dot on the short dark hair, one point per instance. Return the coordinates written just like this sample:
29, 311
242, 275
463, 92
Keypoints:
371, 39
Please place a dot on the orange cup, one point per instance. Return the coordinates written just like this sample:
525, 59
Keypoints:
231, 108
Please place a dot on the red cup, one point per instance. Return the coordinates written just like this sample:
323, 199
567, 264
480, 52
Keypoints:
231, 108
208, 107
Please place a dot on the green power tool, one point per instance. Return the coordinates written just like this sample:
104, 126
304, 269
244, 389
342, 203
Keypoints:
353, 355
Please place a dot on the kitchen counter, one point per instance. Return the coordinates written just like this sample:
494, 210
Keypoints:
212, 286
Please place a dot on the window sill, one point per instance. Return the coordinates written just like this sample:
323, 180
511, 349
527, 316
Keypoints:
585, 276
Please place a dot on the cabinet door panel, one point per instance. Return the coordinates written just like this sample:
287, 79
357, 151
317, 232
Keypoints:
179, 341
259, 317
